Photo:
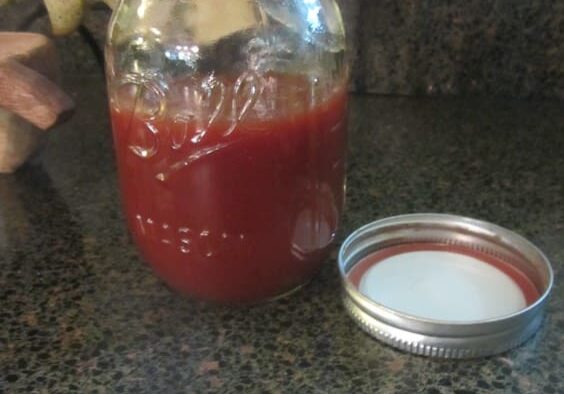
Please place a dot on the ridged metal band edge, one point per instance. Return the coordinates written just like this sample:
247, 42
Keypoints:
382, 332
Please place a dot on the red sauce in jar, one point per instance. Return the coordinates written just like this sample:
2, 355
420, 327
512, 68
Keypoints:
235, 211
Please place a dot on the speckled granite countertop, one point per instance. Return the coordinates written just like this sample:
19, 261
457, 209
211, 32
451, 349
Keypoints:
80, 312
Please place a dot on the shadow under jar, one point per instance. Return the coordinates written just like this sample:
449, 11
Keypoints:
229, 123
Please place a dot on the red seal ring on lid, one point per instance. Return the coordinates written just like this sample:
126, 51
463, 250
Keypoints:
443, 285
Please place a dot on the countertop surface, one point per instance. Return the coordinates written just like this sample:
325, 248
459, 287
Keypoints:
80, 312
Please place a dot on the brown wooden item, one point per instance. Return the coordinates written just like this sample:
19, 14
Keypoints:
30, 100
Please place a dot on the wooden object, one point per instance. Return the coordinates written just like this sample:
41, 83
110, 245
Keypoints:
30, 100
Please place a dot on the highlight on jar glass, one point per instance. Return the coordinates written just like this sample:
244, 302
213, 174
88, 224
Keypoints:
229, 124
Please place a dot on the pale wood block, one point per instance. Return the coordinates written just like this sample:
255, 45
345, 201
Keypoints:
19, 140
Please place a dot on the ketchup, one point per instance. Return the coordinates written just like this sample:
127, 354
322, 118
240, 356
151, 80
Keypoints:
235, 211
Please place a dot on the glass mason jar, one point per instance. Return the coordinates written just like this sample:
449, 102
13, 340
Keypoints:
229, 123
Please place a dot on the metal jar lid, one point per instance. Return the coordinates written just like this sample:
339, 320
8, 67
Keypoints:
444, 286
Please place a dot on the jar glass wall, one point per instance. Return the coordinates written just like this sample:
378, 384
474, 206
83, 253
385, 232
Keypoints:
229, 123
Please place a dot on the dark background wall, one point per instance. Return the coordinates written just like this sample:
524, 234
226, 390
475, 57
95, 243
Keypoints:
510, 48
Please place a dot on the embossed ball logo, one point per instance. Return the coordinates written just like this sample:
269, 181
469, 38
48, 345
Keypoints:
182, 114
